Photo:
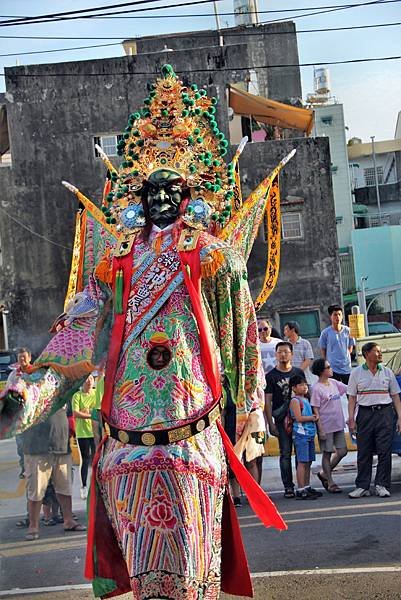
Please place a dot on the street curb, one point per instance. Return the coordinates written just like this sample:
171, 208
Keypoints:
272, 449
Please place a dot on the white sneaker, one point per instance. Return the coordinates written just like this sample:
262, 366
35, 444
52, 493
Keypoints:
84, 493
381, 491
358, 493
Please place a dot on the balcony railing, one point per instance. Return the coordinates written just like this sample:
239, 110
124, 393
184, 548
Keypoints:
347, 273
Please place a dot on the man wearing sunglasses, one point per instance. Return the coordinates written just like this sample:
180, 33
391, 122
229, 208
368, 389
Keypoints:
267, 345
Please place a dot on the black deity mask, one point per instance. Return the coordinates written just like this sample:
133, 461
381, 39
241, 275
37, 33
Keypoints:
164, 194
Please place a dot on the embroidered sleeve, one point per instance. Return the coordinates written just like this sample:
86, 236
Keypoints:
234, 318
80, 343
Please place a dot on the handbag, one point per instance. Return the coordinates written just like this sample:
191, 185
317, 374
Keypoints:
279, 413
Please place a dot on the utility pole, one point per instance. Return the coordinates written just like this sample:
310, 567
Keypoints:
372, 137
362, 303
4, 312
216, 14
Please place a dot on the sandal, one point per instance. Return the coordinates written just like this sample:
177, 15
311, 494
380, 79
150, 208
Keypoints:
289, 493
323, 480
334, 489
76, 527
30, 537
49, 522
60, 519
22, 523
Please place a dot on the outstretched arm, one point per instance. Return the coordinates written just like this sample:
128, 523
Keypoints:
66, 361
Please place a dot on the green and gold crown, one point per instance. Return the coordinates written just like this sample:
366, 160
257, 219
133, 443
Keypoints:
176, 129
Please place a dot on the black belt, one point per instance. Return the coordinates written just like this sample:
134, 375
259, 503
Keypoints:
162, 437
376, 406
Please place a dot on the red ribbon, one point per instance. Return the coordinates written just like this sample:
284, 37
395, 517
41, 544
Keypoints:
125, 264
193, 283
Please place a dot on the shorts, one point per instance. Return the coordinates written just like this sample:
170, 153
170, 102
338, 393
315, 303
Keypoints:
304, 448
38, 470
333, 441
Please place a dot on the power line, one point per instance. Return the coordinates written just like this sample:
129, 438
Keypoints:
39, 235
54, 18
322, 12
81, 10
211, 35
135, 73
208, 35
277, 10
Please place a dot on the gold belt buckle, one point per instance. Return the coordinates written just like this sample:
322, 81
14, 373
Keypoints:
182, 433
214, 414
123, 436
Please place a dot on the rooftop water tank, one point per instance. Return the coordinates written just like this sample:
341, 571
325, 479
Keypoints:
321, 81
246, 12
354, 140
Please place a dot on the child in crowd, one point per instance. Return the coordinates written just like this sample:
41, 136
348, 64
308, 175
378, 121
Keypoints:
303, 433
326, 403
83, 402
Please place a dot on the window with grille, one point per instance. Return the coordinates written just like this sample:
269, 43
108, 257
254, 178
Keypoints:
108, 144
376, 222
369, 175
291, 226
327, 120
309, 322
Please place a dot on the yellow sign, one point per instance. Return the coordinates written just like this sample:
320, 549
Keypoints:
357, 326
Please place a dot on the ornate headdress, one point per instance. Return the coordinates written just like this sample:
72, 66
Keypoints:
177, 130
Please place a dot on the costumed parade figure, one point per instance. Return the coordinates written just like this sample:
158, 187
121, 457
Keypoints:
166, 306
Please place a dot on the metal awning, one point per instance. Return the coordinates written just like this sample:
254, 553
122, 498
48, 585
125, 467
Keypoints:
359, 209
269, 111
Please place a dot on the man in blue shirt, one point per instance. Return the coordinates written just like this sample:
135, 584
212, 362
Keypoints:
336, 344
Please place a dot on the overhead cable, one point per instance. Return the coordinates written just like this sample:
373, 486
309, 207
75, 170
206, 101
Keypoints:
39, 19
248, 32
250, 67
31, 52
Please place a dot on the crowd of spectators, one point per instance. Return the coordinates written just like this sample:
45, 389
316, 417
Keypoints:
297, 412
303, 399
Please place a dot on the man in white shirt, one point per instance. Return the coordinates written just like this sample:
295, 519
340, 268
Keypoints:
267, 345
374, 392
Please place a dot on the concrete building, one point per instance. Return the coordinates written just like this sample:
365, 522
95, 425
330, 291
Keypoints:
373, 210
377, 238
259, 47
329, 122
57, 112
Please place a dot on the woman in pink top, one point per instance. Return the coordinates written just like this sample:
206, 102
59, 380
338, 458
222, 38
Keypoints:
326, 403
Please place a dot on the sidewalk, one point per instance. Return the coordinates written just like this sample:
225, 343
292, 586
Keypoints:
12, 489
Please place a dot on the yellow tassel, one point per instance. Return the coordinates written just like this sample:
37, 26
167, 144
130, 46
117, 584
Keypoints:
212, 263
104, 270
157, 244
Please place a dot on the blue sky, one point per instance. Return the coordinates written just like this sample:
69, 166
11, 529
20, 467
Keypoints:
370, 92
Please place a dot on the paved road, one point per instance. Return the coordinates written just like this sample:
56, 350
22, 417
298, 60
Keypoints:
333, 532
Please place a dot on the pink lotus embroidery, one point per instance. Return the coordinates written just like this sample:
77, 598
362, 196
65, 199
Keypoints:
160, 513
159, 382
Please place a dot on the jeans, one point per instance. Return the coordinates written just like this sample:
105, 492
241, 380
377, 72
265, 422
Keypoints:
285, 444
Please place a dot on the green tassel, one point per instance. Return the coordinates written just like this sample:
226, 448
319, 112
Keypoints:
118, 294
101, 586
